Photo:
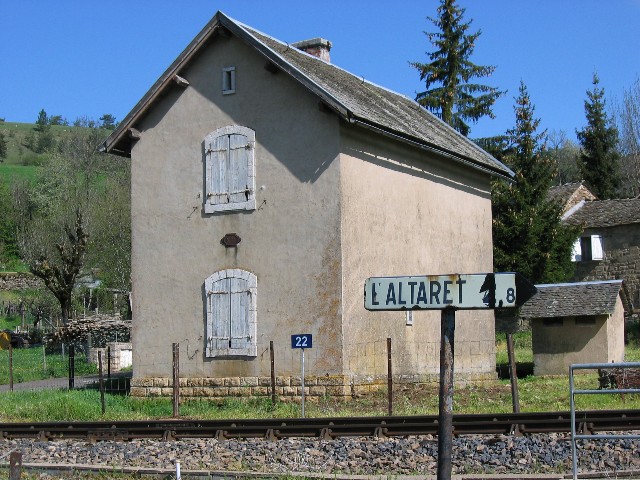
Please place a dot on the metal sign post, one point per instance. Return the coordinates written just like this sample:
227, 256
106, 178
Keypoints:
302, 341
447, 293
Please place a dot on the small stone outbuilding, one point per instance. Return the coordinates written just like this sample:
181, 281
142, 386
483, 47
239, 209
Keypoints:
576, 323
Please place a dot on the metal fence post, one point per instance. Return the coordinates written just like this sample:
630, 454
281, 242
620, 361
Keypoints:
176, 380
72, 366
273, 374
389, 378
101, 379
515, 397
10, 366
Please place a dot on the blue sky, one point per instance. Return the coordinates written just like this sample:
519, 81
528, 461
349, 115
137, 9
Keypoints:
76, 58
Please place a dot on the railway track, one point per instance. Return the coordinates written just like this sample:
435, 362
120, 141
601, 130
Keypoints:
325, 428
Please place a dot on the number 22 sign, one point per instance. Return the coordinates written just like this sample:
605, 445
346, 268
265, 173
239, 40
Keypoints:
304, 340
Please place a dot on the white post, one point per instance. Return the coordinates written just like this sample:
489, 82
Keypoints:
177, 469
302, 361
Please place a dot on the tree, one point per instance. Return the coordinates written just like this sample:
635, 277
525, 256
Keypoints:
3, 147
627, 118
59, 269
455, 100
599, 156
527, 233
42, 122
565, 154
108, 121
71, 190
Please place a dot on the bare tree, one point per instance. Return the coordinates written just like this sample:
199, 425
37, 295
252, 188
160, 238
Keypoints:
565, 154
627, 118
59, 267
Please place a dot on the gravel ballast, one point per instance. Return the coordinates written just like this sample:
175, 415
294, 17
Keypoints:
472, 454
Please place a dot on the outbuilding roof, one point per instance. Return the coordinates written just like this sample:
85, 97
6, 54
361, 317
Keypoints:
606, 213
356, 100
573, 299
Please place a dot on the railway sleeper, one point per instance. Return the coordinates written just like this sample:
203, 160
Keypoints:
119, 435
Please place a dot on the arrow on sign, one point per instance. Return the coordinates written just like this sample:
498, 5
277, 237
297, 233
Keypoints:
458, 291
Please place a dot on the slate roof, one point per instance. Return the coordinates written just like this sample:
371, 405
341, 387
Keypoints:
354, 99
606, 213
562, 193
571, 299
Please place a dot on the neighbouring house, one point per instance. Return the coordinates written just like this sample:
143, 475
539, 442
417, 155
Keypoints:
576, 323
267, 185
570, 196
609, 247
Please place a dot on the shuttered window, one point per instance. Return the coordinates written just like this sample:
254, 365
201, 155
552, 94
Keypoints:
230, 169
588, 248
231, 313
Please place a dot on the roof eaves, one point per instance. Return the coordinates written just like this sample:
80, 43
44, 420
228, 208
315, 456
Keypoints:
110, 144
432, 148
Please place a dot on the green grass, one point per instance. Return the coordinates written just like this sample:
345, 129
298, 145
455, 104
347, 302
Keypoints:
537, 394
33, 364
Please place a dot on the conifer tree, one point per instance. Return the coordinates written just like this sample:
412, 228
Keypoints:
527, 234
448, 93
599, 157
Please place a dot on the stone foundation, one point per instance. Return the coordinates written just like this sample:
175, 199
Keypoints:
287, 388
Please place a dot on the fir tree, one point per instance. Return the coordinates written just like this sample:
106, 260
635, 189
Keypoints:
527, 234
599, 156
455, 101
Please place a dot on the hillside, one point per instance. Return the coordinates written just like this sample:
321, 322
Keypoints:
26, 148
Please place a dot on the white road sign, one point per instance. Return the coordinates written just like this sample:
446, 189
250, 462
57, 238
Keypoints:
437, 292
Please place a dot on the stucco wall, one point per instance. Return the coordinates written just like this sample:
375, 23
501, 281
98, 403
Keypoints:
555, 348
291, 242
404, 212
621, 259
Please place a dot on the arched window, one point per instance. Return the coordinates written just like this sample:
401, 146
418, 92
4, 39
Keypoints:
230, 169
231, 313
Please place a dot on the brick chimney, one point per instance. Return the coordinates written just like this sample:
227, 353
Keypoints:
318, 47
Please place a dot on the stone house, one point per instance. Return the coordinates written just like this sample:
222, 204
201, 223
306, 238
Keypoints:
576, 323
570, 196
267, 185
609, 247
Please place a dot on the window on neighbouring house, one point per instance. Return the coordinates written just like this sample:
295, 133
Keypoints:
588, 248
231, 313
228, 80
230, 169
553, 322
585, 320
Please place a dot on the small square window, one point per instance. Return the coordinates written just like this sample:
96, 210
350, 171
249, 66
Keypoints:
553, 322
585, 320
228, 80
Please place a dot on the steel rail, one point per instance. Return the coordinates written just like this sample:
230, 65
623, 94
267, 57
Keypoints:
590, 422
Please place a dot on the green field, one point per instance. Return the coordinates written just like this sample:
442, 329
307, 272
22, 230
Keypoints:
34, 364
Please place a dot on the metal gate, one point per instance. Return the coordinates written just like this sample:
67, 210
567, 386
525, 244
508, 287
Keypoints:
573, 392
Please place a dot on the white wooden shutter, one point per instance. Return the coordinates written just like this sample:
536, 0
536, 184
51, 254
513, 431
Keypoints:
240, 301
576, 254
219, 165
219, 331
597, 252
230, 169
239, 151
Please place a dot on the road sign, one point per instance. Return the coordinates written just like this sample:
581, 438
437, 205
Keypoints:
302, 340
457, 291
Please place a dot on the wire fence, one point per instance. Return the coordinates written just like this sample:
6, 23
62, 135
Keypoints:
63, 366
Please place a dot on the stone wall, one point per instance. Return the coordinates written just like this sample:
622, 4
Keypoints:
18, 281
621, 259
287, 388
